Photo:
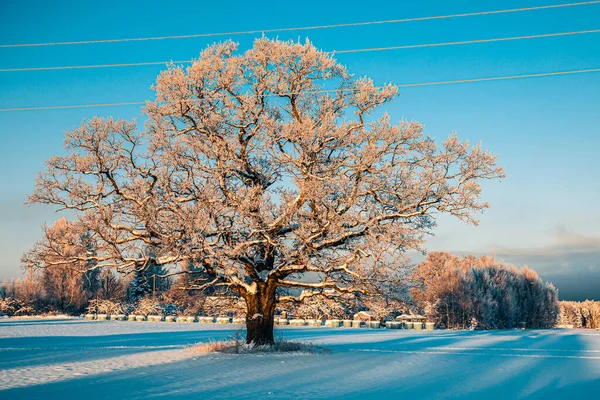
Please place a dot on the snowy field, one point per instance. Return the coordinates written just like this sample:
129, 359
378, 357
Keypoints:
62, 359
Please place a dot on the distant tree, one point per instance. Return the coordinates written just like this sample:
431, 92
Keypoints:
30, 291
139, 287
454, 292
62, 261
584, 314
151, 279
4, 289
9, 289
434, 279
269, 169
91, 282
63, 289
111, 287
21, 296
553, 307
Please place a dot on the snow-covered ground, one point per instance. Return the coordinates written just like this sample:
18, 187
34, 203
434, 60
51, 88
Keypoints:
62, 359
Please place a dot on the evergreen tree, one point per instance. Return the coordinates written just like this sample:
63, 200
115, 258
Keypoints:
139, 287
151, 279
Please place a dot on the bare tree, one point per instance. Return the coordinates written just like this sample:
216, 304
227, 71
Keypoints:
265, 169
111, 287
59, 263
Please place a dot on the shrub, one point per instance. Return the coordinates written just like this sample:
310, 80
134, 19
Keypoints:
104, 307
14, 307
148, 306
8, 306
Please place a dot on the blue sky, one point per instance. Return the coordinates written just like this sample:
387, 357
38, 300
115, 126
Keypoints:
546, 130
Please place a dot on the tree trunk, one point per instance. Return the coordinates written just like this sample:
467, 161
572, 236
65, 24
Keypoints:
260, 315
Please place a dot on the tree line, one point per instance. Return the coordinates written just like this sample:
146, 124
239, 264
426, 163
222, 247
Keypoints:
66, 290
451, 291
580, 314
53, 283
482, 292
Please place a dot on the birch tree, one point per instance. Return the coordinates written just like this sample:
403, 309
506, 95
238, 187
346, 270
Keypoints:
273, 168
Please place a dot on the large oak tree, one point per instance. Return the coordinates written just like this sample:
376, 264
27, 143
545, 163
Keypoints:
267, 169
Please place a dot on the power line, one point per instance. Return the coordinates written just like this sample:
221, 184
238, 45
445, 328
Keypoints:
502, 39
500, 78
302, 28
413, 46
127, 103
432, 83
138, 64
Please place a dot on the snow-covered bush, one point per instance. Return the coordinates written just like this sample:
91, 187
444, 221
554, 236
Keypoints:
8, 306
148, 306
104, 307
15, 307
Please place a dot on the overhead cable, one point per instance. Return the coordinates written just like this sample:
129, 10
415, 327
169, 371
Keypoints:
401, 85
301, 28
